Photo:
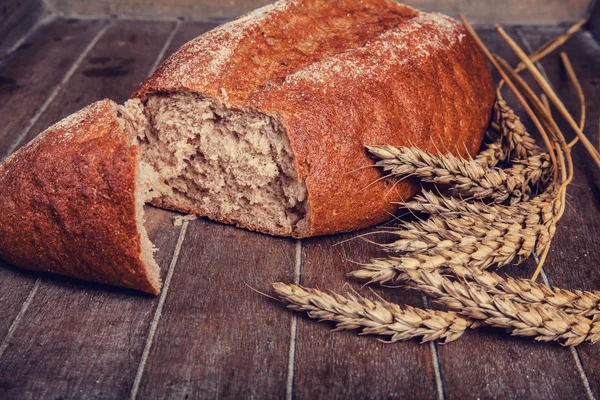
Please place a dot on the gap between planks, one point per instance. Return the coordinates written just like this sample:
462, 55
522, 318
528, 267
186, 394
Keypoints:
289, 389
19, 316
435, 360
162, 52
578, 364
44, 20
158, 313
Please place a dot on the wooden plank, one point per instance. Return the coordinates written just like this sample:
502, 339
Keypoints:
217, 338
31, 73
79, 339
343, 364
121, 59
17, 17
487, 363
481, 12
574, 255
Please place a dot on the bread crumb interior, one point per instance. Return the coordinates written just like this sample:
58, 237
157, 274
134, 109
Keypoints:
231, 165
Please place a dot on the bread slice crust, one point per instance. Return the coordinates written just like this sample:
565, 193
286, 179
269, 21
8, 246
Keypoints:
68, 202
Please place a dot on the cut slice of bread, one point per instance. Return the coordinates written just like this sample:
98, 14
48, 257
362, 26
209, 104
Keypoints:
72, 202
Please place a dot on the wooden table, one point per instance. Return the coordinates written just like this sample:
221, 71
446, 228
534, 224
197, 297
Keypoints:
208, 334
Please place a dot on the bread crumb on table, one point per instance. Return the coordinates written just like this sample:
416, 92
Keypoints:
178, 219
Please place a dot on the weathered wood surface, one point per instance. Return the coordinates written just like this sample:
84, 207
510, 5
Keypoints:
217, 338
17, 17
481, 12
345, 365
209, 334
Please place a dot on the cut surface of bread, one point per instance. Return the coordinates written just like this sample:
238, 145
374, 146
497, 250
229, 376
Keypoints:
227, 164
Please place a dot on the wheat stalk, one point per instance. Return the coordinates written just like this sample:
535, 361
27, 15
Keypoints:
377, 317
467, 178
530, 212
541, 321
518, 290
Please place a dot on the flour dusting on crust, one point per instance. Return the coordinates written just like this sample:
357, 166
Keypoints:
218, 45
392, 48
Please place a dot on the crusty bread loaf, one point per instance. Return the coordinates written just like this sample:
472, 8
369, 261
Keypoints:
316, 81
261, 123
72, 203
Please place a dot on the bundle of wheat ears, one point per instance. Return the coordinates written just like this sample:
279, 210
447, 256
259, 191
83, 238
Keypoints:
499, 208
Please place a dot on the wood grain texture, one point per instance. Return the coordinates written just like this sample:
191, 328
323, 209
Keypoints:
16, 18
481, 12
575, 253
487, 363
121, 59
344, 365
33, 71
217, 338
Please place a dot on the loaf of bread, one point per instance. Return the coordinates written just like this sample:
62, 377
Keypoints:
261, 123
72, 203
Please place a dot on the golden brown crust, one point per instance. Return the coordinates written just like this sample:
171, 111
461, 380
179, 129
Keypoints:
68, 202
382, 73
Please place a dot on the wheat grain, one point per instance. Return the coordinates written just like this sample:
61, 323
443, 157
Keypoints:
541, 321
530, 212
492, 155
373, 317
517, 142
467, 178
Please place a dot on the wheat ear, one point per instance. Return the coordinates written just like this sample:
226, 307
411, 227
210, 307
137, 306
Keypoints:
514, 141
525, 291
541, 321
465, 177
518, 290
517, 143
373, 317
470, 239
530, 212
